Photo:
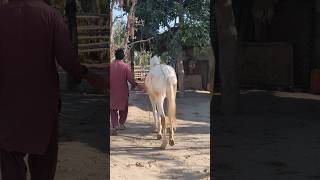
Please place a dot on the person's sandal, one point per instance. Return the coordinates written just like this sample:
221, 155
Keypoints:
122, 127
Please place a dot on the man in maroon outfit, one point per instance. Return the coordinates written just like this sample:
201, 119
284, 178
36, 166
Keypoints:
33, 36
120, 75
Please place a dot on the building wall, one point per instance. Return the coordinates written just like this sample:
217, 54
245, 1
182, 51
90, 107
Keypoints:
201, 70
265, 65
293, 23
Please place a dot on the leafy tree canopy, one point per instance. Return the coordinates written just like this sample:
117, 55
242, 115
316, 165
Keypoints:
164, 15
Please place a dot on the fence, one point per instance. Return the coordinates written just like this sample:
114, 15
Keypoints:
140, 72
93, 34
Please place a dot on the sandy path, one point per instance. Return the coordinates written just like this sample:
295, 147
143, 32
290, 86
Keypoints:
135, 152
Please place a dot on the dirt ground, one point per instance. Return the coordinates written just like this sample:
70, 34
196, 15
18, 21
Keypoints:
135, 152
82, 143
275, 137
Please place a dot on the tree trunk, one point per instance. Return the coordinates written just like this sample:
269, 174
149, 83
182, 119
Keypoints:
111, 29
214, 46
180, 70
180, 54
212, 67
71, 12
130, 27
131, 60
131, 34
228, 48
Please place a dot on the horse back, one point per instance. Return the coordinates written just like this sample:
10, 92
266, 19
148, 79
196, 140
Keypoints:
159, 78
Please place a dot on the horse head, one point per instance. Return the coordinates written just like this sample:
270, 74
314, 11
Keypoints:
155, 60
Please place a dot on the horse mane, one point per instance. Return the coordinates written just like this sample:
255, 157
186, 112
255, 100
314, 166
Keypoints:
155, 60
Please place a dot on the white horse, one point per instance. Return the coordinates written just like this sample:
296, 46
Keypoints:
161, 83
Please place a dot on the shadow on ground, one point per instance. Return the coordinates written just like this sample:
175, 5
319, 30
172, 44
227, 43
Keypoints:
275, 136
83, 119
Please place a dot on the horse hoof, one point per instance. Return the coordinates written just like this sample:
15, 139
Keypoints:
164, 144
163, 147
171, 142
159, 136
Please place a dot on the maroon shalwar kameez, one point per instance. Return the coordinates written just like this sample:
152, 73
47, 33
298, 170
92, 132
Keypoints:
32, 36
120, 75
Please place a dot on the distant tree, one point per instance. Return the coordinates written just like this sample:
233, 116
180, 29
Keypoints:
118, 35
190, 17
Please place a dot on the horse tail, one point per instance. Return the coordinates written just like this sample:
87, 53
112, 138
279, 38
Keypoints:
171, 95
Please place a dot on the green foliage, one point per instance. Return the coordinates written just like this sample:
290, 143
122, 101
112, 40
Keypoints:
119, 34
174, 44
143, 57
164, 14
195, 34
166, 58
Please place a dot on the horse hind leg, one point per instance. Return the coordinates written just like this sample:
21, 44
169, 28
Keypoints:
171, 94
171, 134
172, 130
164, 132
163, 123
160, 126
155, 117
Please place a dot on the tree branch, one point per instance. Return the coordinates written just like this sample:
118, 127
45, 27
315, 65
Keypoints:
140, 41
143, 40
169, 28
